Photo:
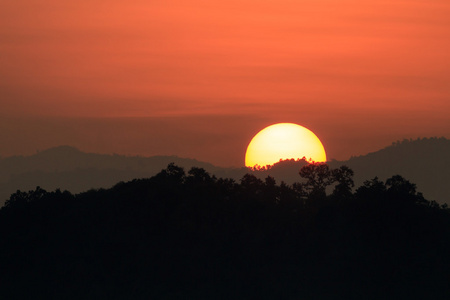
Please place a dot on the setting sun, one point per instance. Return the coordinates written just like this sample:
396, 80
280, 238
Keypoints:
283, 141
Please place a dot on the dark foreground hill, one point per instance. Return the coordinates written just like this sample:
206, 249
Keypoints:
424, 161
193, 236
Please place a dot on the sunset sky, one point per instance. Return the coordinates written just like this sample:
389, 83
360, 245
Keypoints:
199, 79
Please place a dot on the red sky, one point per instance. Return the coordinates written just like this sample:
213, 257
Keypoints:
199, 78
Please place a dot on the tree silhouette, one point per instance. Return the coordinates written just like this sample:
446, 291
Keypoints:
21, 199
344, 178
400, 189
200, 175
318, 176
371, 189
178, 235
173, 173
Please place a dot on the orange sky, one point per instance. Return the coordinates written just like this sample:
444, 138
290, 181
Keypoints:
191, 77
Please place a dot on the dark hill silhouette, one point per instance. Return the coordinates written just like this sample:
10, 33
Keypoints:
66, 158
190, 235
68, 168
423, 161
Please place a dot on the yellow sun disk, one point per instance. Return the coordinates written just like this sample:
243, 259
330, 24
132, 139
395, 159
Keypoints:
283, 141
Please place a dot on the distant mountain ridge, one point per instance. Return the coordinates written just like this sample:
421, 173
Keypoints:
425, 162
63, 158
66, 167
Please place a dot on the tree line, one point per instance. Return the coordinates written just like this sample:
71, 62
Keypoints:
190, 235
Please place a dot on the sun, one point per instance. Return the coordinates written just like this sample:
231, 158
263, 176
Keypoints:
283, 141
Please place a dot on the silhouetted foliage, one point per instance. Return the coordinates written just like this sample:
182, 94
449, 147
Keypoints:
344, 178
424, 161
318, 176
191, 235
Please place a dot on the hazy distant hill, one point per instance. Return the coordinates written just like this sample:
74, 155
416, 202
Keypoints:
425, 162
70, 169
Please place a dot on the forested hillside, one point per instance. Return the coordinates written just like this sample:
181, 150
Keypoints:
191, 235
426, 162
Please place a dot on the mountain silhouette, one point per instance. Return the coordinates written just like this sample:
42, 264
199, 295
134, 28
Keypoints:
68, 168
426, 162
185, 234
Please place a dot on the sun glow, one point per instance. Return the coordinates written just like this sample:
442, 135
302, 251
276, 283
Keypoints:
284, 141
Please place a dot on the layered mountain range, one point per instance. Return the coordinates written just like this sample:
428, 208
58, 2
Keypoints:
425, 162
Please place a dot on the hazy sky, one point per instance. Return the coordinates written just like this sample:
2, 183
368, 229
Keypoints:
199, 78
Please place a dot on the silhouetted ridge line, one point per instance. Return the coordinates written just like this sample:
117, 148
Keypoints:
193, 235
424, 161
420, 146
